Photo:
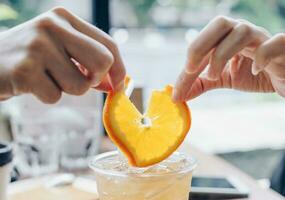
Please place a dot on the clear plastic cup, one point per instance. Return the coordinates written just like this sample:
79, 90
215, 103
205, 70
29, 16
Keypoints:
6, 156
168, 180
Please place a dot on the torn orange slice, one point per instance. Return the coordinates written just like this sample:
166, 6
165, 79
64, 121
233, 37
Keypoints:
149, 138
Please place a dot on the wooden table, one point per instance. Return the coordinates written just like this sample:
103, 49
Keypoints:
213, 166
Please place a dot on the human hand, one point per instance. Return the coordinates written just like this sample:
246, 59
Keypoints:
58, 52
240, 56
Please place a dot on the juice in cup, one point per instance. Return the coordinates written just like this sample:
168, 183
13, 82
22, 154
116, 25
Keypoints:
168, 180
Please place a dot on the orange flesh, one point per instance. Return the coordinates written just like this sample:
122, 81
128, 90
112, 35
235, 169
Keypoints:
145, 145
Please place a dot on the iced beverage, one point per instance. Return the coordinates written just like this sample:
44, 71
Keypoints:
168, 180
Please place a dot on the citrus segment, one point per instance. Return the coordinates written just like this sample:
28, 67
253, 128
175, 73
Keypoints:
150, 138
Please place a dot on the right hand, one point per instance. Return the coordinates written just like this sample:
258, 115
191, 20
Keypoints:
240, 55
58, 52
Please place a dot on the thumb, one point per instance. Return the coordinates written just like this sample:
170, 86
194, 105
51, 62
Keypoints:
202, 85
105, 85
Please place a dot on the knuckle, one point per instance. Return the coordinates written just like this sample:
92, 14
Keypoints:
244, 29
105, 61
53, 22
39, 43
222, 21
46, 22
60, 11
280, 38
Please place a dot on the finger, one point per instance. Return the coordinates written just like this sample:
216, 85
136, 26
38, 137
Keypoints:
45, 89
197, 53
243, 35
209, 37
270, 50
95, 57
202, 85
185, 81
117, 75
236, 63
65, 73
91, 54
117, 72
105, 85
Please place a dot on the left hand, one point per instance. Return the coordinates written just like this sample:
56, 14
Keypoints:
240, 55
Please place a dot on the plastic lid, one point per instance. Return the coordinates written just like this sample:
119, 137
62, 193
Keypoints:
6, 153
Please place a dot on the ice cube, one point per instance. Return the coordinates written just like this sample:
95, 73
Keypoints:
120, 164
157, 169
175, 163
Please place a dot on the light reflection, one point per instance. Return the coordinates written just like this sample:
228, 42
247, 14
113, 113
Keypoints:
191, 34
121, 36
153, 40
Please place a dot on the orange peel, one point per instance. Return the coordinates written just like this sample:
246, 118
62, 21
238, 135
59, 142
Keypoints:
145, 144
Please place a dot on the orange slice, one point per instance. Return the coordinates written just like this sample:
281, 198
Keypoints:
145, 144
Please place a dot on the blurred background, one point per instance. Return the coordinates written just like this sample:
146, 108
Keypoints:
246, 129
